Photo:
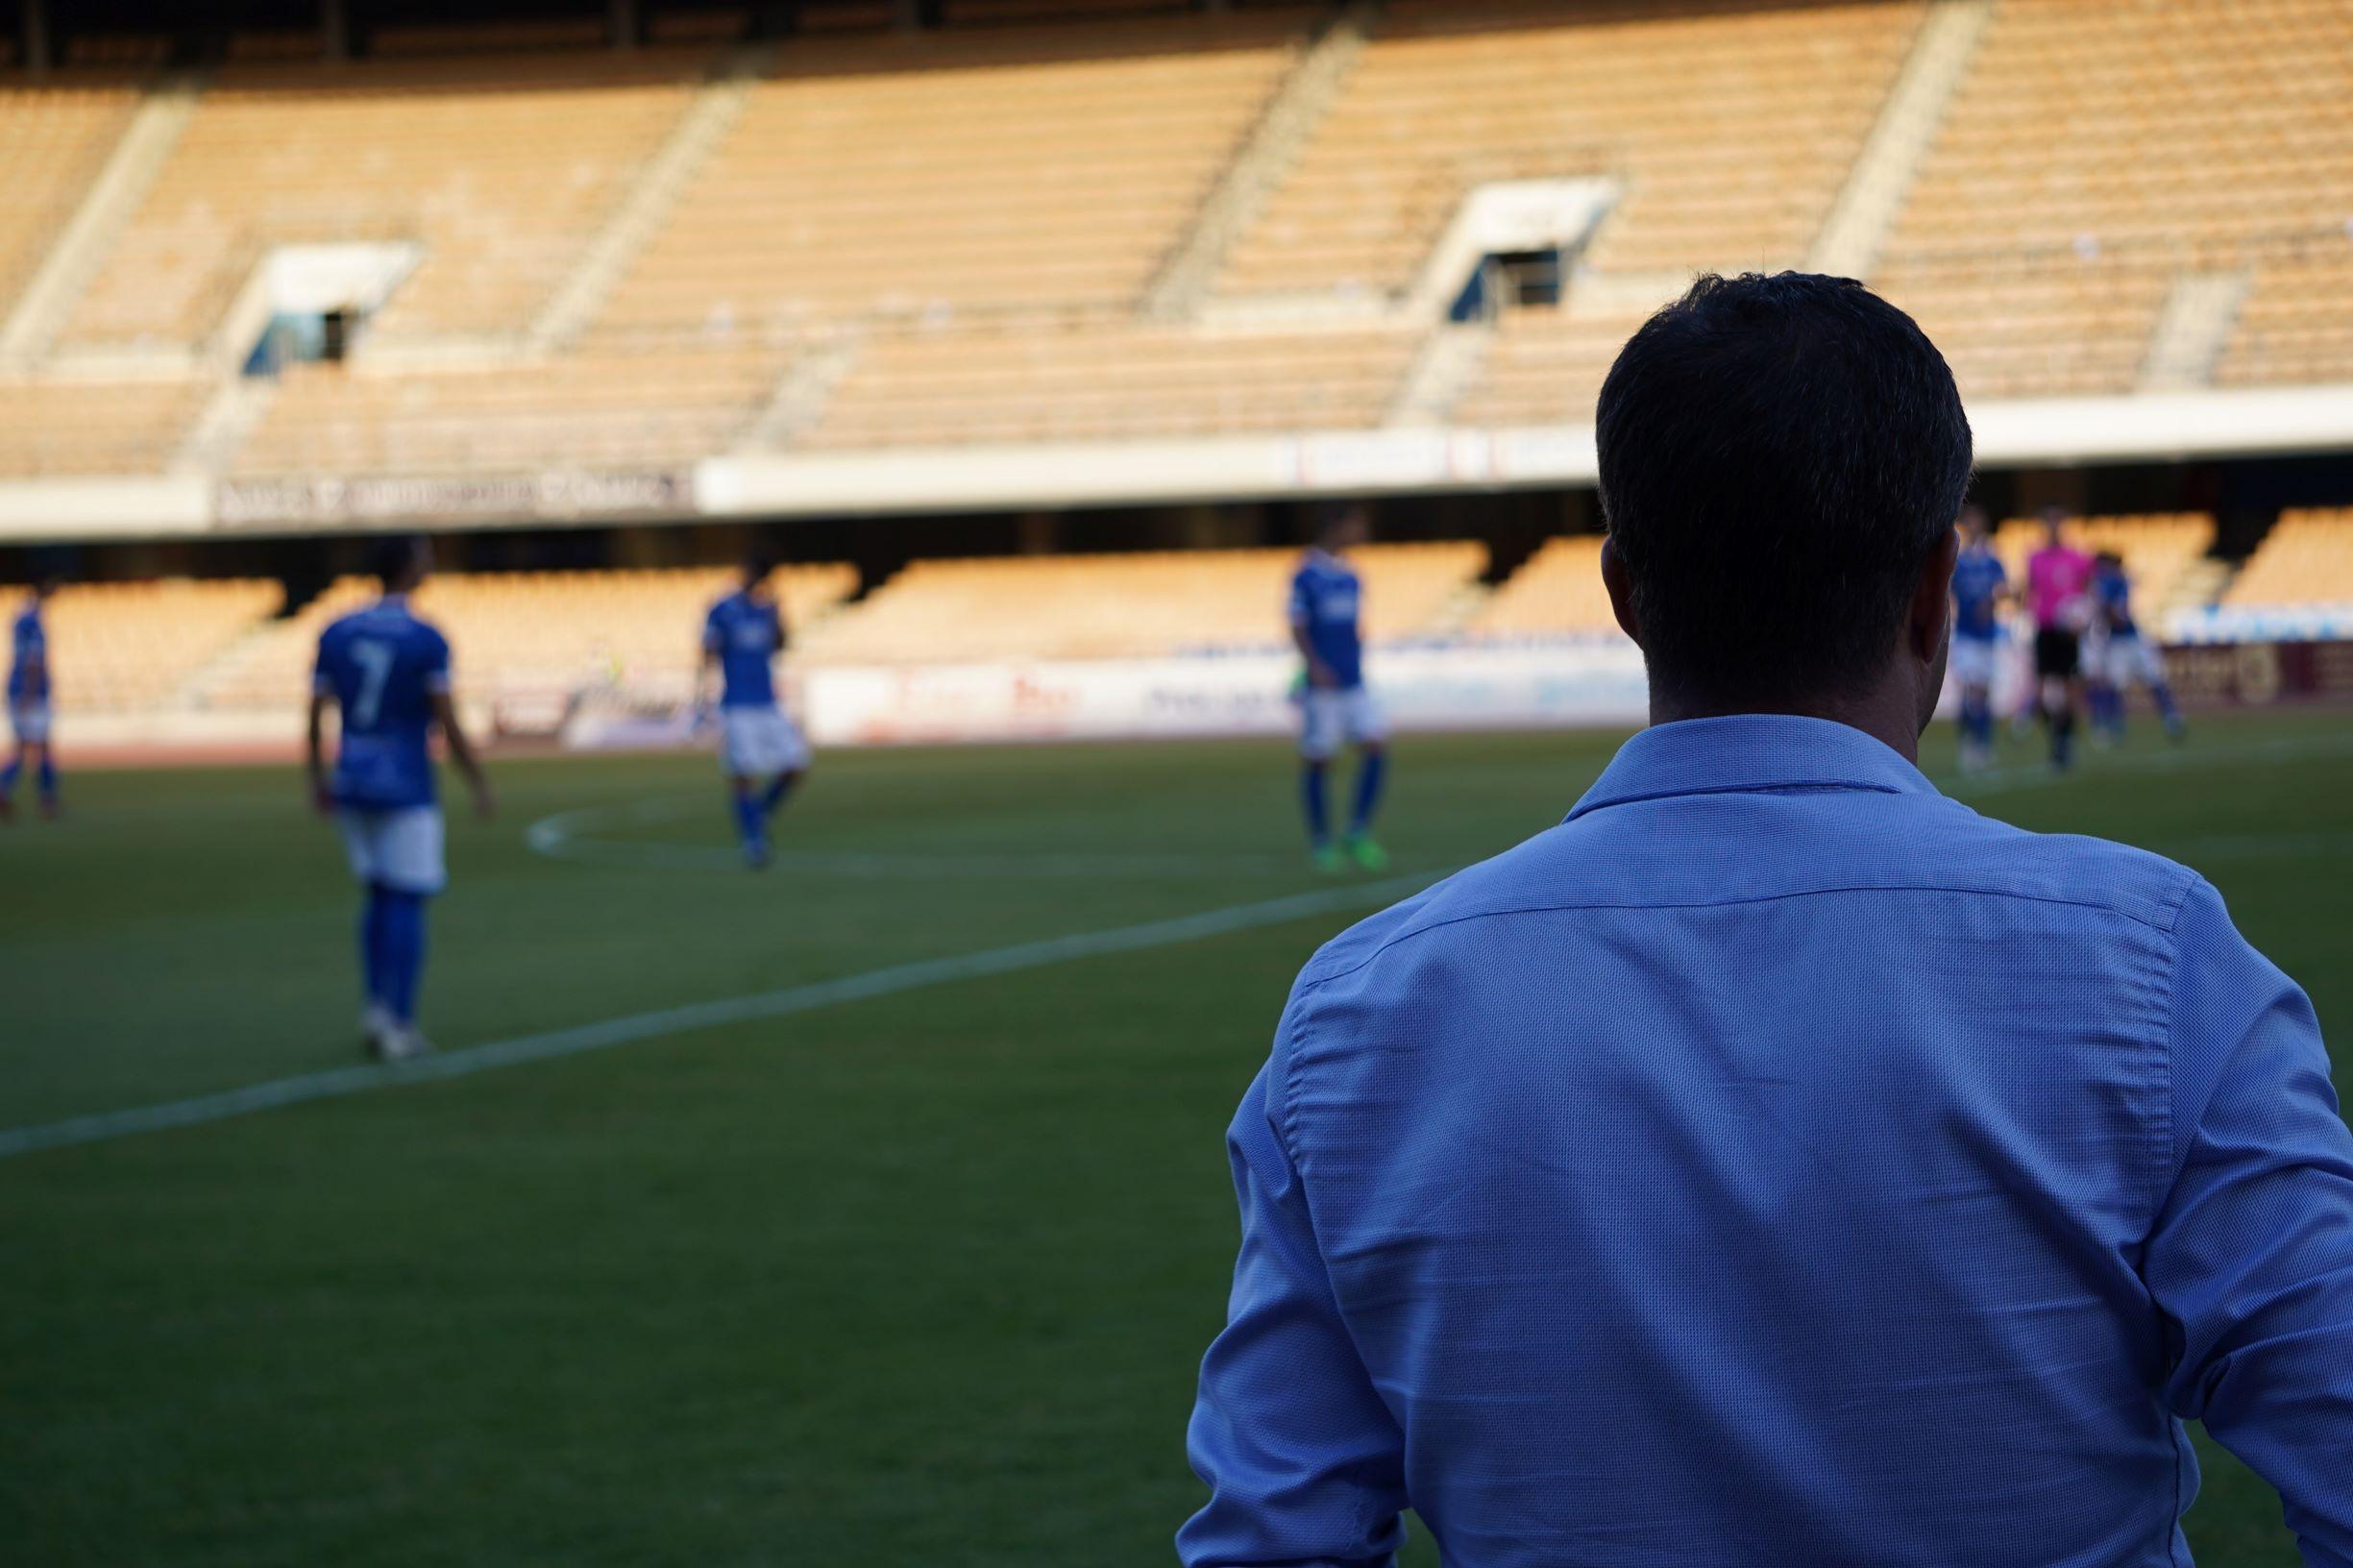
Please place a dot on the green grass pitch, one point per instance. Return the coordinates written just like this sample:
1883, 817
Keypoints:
916, 1278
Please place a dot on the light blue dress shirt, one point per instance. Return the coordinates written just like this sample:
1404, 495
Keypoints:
1780, 1163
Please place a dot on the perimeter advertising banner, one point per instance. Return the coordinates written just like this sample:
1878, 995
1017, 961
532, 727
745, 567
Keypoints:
1421, 688
2258, 675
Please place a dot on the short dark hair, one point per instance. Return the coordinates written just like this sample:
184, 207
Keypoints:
1779, 458
394, 556
760, 558
1331, 516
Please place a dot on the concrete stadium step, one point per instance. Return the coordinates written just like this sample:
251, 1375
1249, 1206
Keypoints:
117, 191
1876, 186
1266, 156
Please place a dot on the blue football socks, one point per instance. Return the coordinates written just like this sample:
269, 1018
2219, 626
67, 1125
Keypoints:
1370, 772
751, 822
392, 950
1312, 799
372, 945
404, 952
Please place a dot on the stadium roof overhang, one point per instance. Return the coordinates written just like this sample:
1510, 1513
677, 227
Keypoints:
2027, 433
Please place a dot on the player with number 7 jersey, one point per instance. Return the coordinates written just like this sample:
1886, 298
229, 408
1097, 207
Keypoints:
388, 673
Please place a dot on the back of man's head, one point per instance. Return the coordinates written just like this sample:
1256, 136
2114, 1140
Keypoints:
758, 564
399, 561
1781, 457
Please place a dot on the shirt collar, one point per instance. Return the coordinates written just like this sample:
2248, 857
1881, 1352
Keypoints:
1749, 752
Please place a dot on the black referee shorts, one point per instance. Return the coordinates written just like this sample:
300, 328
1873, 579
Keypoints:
2057, 652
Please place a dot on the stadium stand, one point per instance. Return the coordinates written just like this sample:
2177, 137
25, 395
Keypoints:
50, 427
1556, 591
2307, 558
2097, 152
2158, 550
1544, 368
1730, 127
1112, 382
2296, 324
499, 166
55, 134
967, 260
615, 410
127, 647
1142, 606
531, 631
938, 176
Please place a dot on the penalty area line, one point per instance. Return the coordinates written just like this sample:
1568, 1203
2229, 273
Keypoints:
634, 1028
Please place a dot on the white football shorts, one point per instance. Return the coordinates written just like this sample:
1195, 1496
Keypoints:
1976, 660
30, 720
2132, 659
400, 849
760, 743
1329, 718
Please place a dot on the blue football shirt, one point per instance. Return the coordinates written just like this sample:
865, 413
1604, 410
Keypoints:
746, 634
28, 662
1326, 604
2114, 590
1977, 580
383, 666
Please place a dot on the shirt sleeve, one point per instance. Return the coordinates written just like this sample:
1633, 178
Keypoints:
1300, 611
711, 638
322, 672
437, 662
2251, 1256
1306, 1466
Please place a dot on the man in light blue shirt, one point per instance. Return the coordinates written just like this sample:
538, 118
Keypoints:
1778, 1163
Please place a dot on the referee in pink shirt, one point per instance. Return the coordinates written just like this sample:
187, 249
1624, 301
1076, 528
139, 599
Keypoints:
2058, 585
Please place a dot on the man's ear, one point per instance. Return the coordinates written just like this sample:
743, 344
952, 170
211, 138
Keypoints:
1932, 600
1621, 591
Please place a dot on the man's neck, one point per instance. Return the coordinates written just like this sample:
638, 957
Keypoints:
1884, 716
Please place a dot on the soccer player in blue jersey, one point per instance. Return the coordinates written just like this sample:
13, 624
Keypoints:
1978, 586
388, 674
1326, 608
29, 706
2128, 658
762, 751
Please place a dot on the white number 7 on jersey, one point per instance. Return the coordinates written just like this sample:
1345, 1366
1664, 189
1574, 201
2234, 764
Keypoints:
375, 661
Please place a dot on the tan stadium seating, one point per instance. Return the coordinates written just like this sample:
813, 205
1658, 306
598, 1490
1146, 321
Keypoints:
73, 427
1557, 590
2297, 323
55, 135
1544, 368
501, 166
1147, 605
2307, 558
2096, 152
1730, 127
127, 647
617, 410
932, 177
535, 632
1110, 383
2156, 548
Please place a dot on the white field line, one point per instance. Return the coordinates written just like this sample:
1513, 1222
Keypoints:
556, 836
634, 1028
